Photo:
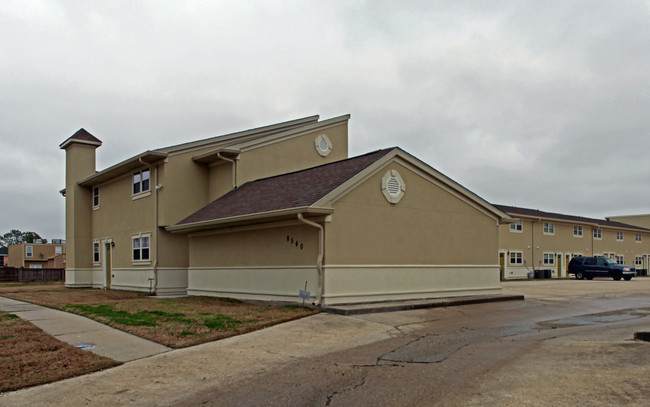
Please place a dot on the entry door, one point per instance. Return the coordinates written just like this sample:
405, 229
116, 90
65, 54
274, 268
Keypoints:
107, 265
558, 266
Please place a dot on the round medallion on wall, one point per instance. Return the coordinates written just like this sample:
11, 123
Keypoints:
393, 186
323, 145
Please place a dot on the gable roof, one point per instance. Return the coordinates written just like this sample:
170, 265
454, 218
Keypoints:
536, 213
83, 137
293, 191
312, 191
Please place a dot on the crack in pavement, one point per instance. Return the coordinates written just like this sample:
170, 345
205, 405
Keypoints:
330, 398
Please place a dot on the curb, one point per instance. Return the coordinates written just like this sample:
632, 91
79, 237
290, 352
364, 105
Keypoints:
371, 308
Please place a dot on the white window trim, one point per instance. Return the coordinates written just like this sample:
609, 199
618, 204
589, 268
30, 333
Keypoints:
548, 228
95, 207
638, 238
58, 250
99, 254
578, 228
546, 257
517, 256
519, 223
622, 239
29, 251
142, 193
140, 236
636, 261
600, 237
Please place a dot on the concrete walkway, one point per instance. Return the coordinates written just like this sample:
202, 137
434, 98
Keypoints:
73, 329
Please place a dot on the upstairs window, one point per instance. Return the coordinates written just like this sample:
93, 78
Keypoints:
517, 226
598, 234
141, 246
638, 238
577, 231
29, 251
619, 236
58, 250
549, 228
96, 197
141, 181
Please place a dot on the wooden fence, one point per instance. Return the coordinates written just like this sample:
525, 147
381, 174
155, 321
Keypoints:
23, 274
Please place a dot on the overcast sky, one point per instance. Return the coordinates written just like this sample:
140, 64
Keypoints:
540, 104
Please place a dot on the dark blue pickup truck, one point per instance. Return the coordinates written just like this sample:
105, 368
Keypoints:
590, 267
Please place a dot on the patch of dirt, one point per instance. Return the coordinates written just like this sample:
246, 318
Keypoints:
29, 356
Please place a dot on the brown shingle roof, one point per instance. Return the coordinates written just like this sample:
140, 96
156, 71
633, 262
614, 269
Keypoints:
293, 190
536, 213
83, 136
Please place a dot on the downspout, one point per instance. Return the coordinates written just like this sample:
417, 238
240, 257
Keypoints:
234, 168
319, 259
155, 230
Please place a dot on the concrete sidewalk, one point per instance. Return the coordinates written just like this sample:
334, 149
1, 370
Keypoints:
73, 329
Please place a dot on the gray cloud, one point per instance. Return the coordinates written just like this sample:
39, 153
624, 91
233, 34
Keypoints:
526, 103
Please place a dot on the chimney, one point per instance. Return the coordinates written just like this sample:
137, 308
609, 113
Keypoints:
79, 164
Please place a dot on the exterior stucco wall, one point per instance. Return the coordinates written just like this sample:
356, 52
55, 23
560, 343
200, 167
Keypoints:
291, 155
265, 264
429, 226
368, 283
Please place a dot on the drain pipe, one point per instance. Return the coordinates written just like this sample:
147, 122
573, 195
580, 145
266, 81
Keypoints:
234, 168
319, 259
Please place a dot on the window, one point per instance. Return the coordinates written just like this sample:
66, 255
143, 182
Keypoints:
638, 238
96, 252
29, 251
517, 226
620, 259
516, 258
576, 255
141, 247
549, 228
549, 259
141, 181
619, 236
96, 197
58, 250
577, 231
598, 234
638, 261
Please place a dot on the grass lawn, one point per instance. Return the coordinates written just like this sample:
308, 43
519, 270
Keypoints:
175, 322
29, 356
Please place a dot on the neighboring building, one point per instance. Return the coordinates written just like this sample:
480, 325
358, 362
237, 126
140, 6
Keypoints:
261, 213
546, 240
4, 252
34, 255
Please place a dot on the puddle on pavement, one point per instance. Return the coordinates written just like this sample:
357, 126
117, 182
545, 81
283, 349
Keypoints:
594, 319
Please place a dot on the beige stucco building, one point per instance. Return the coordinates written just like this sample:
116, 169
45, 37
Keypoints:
37, 255
267, 212
546, 240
